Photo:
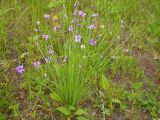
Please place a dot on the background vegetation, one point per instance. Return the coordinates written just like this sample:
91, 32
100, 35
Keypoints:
115, 78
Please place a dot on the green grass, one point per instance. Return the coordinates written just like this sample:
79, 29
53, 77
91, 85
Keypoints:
102, 80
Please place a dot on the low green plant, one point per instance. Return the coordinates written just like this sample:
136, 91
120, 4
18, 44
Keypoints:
108, 97
73, 73
127, 66
73, 113
8, 101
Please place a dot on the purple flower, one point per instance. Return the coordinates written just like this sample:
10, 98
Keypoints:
46, 37
91, 27
36, 64
47, 60
70, 29
82, 14
46, 16
20, 69
78, 38
93, 42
